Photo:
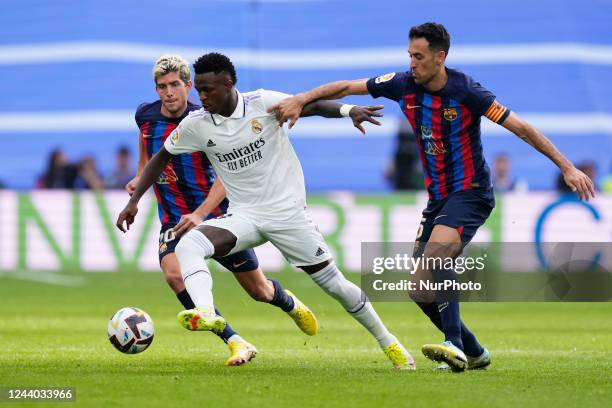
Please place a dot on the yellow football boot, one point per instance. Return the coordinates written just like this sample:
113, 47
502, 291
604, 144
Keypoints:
303, 316
201, 320
399, 356
241, 352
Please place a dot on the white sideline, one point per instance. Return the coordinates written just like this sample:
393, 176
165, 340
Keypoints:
51, 278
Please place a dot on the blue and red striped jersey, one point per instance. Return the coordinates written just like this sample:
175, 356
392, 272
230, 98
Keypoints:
187, 179
446, 125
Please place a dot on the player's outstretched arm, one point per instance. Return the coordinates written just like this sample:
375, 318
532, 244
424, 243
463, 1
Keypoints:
574, 178
358, 114
151, 172
142, 161
213, 199
291, 108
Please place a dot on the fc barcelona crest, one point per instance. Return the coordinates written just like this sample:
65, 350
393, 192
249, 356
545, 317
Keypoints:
450, 114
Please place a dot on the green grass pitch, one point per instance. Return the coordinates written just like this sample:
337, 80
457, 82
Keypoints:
544, 354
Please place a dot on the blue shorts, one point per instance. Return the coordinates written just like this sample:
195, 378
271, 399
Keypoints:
242, 261
464, 210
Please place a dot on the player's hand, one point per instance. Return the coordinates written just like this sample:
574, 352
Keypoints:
127, 215
187, 222
288, 109
361, 114
579, 183
131, 185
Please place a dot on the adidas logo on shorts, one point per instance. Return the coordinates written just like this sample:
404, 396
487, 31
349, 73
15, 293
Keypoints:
320, 252
210, 143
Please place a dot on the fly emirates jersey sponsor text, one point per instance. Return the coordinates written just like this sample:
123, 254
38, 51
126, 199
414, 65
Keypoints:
249, 151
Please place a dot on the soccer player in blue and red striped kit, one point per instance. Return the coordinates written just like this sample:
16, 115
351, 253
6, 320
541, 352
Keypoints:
188, 192
444, 106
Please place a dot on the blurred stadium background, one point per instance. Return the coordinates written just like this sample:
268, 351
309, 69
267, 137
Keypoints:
75, 72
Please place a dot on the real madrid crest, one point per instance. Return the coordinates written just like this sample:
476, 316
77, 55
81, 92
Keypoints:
256, 127
450, 114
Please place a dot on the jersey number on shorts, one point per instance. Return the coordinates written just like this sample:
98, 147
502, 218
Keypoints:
167, 236
420, 230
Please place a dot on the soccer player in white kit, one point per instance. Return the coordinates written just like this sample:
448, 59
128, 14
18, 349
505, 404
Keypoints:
264, 183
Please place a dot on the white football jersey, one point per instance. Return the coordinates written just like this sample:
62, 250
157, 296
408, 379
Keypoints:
249, 151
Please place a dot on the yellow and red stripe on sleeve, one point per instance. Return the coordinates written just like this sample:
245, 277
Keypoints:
497, 112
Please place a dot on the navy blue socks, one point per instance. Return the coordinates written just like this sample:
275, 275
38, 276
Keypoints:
281, 298
451, 322
471, 346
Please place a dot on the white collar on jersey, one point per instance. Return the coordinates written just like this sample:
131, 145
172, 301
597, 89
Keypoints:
239, 112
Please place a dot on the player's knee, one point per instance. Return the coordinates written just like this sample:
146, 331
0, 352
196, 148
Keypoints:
310, 269
185, 248
222, 240
193, 246
422, 296
437, 250
444, 242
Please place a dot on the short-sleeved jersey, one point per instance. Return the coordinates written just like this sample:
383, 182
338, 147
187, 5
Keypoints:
249, 151
446, 125
187, 179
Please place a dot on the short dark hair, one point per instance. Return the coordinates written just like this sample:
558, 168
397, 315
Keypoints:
217, 63
435, 34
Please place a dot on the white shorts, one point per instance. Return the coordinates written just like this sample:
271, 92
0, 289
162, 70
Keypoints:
295, 234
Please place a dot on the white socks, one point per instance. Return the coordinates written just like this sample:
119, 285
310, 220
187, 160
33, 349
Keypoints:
331, 280
236, 338
192, 251
368, 317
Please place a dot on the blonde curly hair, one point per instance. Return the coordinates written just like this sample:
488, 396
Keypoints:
171, 63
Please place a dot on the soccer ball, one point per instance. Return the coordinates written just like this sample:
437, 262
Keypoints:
130, 330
